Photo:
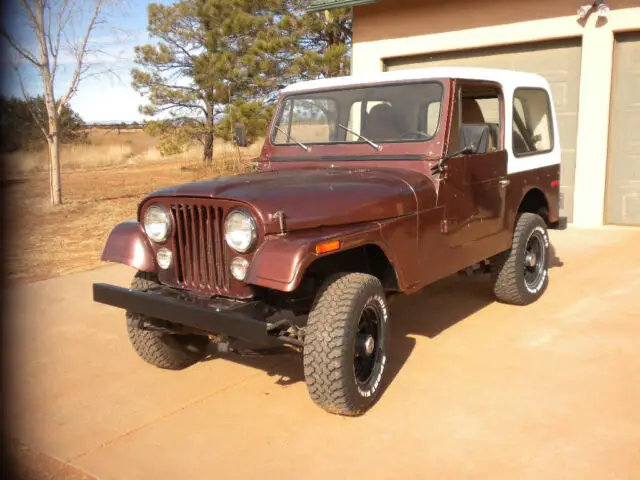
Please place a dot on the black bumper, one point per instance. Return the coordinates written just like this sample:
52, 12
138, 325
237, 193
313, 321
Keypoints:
240, 320
561, 224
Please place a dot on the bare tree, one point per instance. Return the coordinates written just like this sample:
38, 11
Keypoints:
51, 23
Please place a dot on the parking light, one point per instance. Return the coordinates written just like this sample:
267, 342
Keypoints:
327, 247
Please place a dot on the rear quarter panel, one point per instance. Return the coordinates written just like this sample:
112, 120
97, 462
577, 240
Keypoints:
522, 182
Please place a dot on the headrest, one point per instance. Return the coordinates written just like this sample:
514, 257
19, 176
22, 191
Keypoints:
471, 112
380, 123
382, 110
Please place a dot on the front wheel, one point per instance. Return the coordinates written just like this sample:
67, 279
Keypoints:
346, 342
520, 275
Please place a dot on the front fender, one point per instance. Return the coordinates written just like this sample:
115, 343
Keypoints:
281, 260
128, 244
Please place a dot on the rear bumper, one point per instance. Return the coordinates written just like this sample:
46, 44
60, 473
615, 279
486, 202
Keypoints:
239, 320
561, 224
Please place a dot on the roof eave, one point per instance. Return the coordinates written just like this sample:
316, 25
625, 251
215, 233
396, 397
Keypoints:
321, 5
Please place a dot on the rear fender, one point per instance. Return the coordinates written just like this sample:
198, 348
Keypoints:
281, 260
127, 244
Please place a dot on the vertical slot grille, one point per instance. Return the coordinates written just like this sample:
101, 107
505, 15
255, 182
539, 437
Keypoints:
199, 262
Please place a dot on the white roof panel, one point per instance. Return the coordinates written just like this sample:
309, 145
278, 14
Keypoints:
508, 78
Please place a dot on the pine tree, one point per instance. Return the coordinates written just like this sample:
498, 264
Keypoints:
323, 41
167, 77
211, 55
219, 62
250, 42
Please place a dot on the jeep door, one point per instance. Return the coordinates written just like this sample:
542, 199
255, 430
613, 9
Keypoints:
472, 191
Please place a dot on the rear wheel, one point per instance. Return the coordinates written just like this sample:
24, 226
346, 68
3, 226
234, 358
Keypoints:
520, 275
162, 349
345, 348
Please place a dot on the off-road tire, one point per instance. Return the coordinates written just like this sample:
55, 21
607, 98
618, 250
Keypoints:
507, 271
330, 344
161, 349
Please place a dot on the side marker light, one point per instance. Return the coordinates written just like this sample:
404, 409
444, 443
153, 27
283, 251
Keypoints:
327, 247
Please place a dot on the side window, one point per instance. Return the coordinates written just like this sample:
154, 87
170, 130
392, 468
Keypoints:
532, 130
480, 109
429, 117
355, 121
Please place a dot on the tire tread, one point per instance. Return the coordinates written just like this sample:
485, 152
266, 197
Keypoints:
325, 341
506, 271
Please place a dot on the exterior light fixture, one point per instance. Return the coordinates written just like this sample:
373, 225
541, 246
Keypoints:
583, 11
602, 9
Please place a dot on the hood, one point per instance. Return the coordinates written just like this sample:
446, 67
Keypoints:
316, 197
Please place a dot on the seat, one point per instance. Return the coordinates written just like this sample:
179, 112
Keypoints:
472, 114
381, 124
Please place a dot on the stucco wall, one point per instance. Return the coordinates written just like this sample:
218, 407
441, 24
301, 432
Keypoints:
410, 27
405, 18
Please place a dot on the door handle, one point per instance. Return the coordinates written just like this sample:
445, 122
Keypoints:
504, 182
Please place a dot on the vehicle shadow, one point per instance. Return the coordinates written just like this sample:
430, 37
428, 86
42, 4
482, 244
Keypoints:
427, 314
554, 260
283, 363
432, 311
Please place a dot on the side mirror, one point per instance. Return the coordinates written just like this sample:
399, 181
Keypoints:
474, 138
472, 149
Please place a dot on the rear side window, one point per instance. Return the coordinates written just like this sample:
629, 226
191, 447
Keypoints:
532, 128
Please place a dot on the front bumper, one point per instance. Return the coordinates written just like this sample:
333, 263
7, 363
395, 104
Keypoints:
239, 320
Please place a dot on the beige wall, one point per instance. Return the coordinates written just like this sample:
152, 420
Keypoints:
410, 27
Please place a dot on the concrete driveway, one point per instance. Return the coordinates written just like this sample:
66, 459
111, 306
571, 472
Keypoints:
477, 389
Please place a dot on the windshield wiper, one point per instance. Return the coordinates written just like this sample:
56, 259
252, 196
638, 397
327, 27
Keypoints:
301, 145
374, 145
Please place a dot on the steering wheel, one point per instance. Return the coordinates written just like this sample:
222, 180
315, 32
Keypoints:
415, 132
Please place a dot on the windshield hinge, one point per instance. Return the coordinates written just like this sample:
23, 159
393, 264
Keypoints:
280, 216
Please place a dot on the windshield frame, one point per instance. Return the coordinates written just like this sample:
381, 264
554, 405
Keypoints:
282, 104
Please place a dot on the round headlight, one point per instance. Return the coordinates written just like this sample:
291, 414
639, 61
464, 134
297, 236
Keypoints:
240, 231
157, 223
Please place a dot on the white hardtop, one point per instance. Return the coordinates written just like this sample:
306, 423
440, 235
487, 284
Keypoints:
509, 79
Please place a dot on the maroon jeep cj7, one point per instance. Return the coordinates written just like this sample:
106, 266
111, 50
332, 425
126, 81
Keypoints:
366, 188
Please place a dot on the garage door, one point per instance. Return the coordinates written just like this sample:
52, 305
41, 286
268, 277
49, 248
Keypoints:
623, 182
558, 62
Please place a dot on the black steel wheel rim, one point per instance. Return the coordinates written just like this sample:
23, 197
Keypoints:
368, 344
534, 260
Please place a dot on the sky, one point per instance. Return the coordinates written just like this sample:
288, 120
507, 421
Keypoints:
101, 97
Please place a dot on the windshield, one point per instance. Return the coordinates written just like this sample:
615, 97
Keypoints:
382, 113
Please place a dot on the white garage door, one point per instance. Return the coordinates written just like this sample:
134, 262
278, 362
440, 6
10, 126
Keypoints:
623, 183
558, 62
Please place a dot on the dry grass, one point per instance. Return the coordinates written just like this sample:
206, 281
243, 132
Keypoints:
108, 148
47, 241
